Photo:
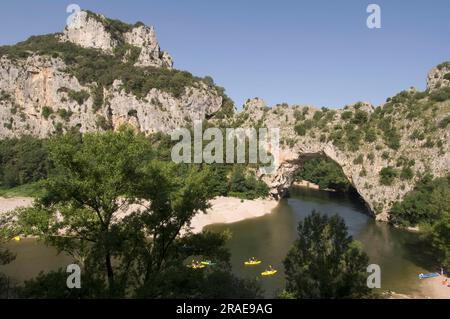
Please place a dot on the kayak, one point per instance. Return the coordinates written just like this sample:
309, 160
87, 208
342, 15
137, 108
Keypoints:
197, 266
430, 275
252, 263
17, 238
207, 263
269, 273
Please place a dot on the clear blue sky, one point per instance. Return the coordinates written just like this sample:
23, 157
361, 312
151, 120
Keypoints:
308, 52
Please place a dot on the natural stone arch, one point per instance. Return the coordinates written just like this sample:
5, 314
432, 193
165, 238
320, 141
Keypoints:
292, 160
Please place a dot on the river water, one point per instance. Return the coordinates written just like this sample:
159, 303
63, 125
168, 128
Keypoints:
269, 238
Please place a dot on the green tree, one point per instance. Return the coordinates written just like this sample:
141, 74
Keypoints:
425, 204
325, 262
5, 255
121, 212
438, 236
326, 173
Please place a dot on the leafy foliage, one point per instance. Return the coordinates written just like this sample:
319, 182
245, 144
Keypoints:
325, 173
325, 262
138, 253
426, 203
388, 175
23, 160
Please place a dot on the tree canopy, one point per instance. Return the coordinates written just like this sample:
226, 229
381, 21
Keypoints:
120, 213
325, 262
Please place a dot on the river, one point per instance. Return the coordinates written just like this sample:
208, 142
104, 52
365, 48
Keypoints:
269, 238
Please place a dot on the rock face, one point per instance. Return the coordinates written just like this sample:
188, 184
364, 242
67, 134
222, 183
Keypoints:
91, 30
41, 95
35, 99
362, 167
437, 77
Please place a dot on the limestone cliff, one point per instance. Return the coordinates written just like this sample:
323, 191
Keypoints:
406, 137
101, 73
91, 30
97, 75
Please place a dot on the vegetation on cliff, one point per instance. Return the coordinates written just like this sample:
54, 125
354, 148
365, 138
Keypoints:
325, 173
428, 206
94, 66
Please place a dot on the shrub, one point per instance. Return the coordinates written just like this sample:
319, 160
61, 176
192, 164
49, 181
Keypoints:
388, 175
300, 129
346, 115
359, 160
46, 112
79, 96
429, 200
23, 160
360, 117
440, 95
406, 173
64, 114
444, 122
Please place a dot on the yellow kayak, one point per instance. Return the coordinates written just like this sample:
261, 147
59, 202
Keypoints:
252, 263
17, 238
199, 266
207, 263
269, 273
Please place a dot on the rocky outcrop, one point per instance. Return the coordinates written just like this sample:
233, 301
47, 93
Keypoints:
41, 95
145, 38
439, 77
362, 167
91, 30
37, 99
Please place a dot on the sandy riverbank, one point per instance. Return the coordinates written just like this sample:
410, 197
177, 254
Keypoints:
311, 185
226, 210
434, 289
8, 204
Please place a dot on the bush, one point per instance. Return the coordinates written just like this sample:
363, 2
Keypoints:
425, 204
23, 161
360, 117
300, 129
64, 114
324, 172
388, 175
444, 122
346, 115
79, 96
406, 173
46, 112
440, 95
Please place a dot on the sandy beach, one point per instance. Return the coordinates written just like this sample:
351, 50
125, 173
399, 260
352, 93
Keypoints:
8, 204
433, 288
226, 210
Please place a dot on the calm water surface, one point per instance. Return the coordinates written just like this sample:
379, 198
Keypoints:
270, 237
